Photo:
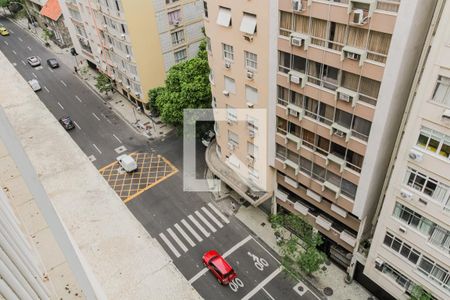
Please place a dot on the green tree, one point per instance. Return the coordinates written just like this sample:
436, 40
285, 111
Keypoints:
4, 3
104, 84
186, 86
418, 293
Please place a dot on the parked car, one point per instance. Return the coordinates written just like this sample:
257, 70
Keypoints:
34, 61
219, 267
52, 63
127, 163
34, 85
4, 31
208, 137
67, 123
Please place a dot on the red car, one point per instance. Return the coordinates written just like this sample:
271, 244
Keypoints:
219, 267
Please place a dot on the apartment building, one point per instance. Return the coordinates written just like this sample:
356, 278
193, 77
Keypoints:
134, 42
333, 89
411, 244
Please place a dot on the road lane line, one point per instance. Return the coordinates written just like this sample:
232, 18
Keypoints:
29, 48
210, 215
50, 69
184, 234
231, 250
46, 89
201, 217
218, 212
175, 237
169, 244
6, 43
78, 98
267, 293
95, 146
117, 138
24, 63
262, 284
63, 83
11, 31
20, 39
76, 124
34, 75
199, 226
60, 105
15, 53
96, 116
191, 230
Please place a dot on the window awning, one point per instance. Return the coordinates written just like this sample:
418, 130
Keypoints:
224, 17
248, 24
51, 10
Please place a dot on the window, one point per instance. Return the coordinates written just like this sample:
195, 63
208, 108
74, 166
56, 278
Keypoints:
251, 94
230, 85
435, 272
378, 46
299, 64
413, 219
357, 37
398, 277
224, 17
441, 238
231, 113
205, 8
361, 128
171, 1
252, 150
318, 31
174, 17
441, 93
431, 187
434, 142
348, 188
208, 45
180, 55
251, 60
228, 52
233, 138
285, 23
284, 62
343, 118
177, 37
248, 24
402, 248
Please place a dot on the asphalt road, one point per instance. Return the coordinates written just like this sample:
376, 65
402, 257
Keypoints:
186, 224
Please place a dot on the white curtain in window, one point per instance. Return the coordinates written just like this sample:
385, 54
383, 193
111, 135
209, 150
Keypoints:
230, 84
174, 17
251, 94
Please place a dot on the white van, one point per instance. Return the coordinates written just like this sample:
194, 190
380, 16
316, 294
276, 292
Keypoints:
34, 85
127, 163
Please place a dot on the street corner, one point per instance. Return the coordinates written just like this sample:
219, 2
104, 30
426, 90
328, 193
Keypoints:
152, 169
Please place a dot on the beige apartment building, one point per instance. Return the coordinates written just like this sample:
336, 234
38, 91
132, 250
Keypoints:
333, 78
135, 42
411, 244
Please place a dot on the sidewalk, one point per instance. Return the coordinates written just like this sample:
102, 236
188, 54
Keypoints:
330, 276
150, 127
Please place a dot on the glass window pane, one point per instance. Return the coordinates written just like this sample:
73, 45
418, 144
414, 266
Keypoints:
396, 244
388, 238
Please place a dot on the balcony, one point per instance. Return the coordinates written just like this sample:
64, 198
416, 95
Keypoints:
337, 160
293, 138
332, 187
294, 110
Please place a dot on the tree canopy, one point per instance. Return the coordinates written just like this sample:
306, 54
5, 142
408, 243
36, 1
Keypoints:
103, 83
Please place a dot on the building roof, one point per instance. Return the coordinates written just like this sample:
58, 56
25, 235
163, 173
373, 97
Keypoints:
51, 10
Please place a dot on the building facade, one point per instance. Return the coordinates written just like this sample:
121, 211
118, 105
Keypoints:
133, 42
411, 244
332, 88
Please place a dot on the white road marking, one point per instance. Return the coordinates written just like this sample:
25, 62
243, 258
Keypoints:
117, 138
191, 230
29, 48
76, 124
91, 158
120, 149
175, 237
34, 75
20, 39
78, 98
11, 31
267, 293
46, 89
6, 43
63, 83
201, 217
196, 223
60, 105
210, 215
95, 146
95, 116
15, 53
267, 251
262, 284
231, 250
218, 212
50, 69
183, 233
169, 244
24, 63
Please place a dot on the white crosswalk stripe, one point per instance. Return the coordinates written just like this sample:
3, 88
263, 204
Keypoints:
191, 230
201, 217
175, 237
183, 233
199, 226
219, 213
210, 215
169, 244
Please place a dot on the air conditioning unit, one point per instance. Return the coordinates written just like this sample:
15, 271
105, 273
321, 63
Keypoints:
402, 229
294, 79
295, 41
128, 57
227, 64
122, 36
226, 93
446, 114
248, 37
352, 56
250, 105
358, 16
231, 146
249, 74
339, 133
344, 97
407, 195
128, 88
297, 5
379, 263
415, 155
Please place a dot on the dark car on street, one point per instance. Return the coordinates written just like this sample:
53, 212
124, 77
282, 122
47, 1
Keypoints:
67, 123
53, 63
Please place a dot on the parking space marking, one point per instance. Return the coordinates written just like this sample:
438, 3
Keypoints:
60, 105
46, 89
29, 48
267, 293
78, 98
50, 69
20, 39
169, 244
184, 235
268, 252
262, 283
177, 240
34, 75
117, 138
23, 63
63, 83
219, 213
96, 148
6, 43
199, 226
206, 222
76, 124
95, 116
191, 230
210, 215
15, 53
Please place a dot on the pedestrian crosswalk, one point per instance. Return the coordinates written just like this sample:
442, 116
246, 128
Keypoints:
202, 223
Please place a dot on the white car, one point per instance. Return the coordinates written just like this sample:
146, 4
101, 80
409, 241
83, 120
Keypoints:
34, 85
127, 163
34, 61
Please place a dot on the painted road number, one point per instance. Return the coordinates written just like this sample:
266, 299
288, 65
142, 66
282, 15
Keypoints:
260, 263
235, 284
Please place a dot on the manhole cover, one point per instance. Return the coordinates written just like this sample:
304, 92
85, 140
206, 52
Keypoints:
328, 291
327, 262
300, 288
